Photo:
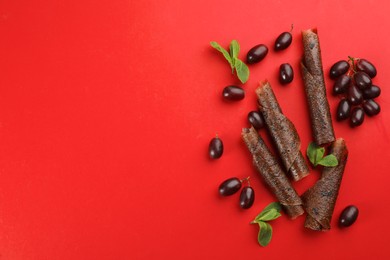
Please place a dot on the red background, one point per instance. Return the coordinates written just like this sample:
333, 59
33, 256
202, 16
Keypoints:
107, 108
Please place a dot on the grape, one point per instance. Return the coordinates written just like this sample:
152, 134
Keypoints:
343, 109
341, 84
230, 186
256, 54
233, 93
247, 197
366, 66
215, 148
355, 96
286, 74
283, 41
256, 119
357, 117
338, 69
362, 80
371, 107
371, 92
348, 216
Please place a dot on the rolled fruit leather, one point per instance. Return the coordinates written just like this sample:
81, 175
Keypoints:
283, 132
319, 201
272, 174
313, 78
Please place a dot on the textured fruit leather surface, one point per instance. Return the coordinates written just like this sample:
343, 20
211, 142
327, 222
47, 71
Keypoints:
107, 108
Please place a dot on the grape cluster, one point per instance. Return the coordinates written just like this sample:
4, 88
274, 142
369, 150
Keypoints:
353, 82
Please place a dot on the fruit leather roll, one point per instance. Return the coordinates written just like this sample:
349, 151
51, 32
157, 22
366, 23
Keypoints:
319, 200
283, 133
313, 78
271, 172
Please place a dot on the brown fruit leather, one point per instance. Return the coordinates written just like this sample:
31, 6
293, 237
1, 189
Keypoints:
313, 78
319, 201
283, 133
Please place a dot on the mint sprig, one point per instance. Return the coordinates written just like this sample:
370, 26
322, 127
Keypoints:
271, 212
226, 54
316, 153
236, 64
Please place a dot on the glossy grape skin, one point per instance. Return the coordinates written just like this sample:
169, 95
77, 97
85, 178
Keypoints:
366, 66
348, 216
371, 107
256, 119
233, 93
355, 95
371, 92
256, 54
362, 80
286, 74
215, 148
343, 110
283, 41
230, 186
247, 197
341, 85
338, 69
357, 117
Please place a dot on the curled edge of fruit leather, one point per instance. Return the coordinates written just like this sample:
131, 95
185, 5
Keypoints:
313, 78
283, 132
319, 200
272, 174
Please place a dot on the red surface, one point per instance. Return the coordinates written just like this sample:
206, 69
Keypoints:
107, 108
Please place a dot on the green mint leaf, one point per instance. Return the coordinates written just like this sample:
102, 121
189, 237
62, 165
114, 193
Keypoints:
268, 215
311, 153
273, 205
234, 50
265, 234
271, 212
319, 154
329, 161
219, 48
242, 70
315, 153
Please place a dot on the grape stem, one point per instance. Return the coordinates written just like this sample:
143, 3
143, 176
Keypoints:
351, 60
247, 180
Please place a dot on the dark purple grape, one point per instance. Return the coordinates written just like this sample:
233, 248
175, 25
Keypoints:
343, 109
286, 74
355, 95
371, 107
283, 41
348, 216
215, 148
256, 54
366, 66
247, 197
338, 69
371, 92
230, 186
233, 93
362, 80
341, 85
256, 119
357, 116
